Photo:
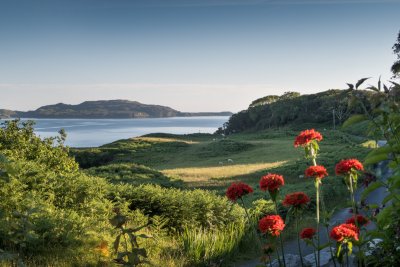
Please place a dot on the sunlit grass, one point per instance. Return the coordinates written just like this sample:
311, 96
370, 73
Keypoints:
163, 140
206, 173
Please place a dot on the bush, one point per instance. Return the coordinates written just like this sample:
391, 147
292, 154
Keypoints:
134, 174
197, 208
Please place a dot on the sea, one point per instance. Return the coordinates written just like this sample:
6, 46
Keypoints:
97, 132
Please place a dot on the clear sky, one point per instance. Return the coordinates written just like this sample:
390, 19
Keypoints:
192, 55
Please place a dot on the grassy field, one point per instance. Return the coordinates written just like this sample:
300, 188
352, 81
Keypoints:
211, 162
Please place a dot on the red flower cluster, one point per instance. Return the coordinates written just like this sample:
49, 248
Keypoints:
296, 199
271, 182
346, 165
271, 224
361, 220
316, 171
344, 232
305, 137
237, 190
308, 233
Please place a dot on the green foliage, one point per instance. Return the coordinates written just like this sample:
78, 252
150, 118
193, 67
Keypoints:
181, 208
292, 109
385, 122
18, 142
133, 254
131, 173
207, 247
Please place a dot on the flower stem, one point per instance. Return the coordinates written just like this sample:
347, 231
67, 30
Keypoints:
314, 161
298, 240
250, 222
318, 219
280, 237
353, 202
330, 247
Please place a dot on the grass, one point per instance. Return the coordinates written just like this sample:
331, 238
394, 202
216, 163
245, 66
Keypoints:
211, 162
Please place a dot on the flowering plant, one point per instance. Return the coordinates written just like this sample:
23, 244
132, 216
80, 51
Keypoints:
238, 190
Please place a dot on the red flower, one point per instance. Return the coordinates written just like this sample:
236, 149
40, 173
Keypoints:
347, 165
296, 199
308, 233
271, 182
271, 224
237, 190
305, 137
344, 232
316, 171
361, 220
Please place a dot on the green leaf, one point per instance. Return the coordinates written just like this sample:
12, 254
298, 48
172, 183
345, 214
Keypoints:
375, 159
387, 198
144, 236
385, 217
360, 81
350, 247
372, 187
354, 120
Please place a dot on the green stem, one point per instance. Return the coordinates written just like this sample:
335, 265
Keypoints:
318, 219
353, 202
250, 222
279, 258
330, 247
314, 161
298, 240
280, 237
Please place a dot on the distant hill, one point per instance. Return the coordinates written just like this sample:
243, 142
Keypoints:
105, 109
292, 108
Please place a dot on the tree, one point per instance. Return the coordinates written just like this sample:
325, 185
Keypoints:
396, 50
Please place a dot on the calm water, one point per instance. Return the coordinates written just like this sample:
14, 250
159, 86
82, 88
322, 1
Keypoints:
96, 132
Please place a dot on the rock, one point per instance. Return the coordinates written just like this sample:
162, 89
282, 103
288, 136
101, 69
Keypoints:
325, 258
371, 246
291, 260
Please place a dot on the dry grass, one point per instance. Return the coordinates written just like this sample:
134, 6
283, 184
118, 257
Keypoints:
162, 140
206, 173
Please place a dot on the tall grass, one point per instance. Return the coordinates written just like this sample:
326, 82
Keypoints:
205, 247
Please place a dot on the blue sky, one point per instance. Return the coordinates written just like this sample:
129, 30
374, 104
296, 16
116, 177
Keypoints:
192, 55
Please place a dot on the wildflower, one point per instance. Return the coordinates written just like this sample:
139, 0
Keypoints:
347, 165
271, 182
361, 220
238, 190
308, 233
271, 224
305, 137
318, 172
296, 200
344, 233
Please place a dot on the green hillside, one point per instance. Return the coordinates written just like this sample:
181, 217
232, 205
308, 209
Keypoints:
294, 109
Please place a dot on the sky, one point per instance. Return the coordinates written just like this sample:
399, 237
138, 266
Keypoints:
191, 55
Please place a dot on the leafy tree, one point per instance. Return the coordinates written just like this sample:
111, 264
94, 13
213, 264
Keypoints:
396, 50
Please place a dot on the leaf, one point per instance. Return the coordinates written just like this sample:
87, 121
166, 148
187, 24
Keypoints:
144, 236
354, 120
372, 187
387, 199
373, 88
375, 159
350, 247
351, 86
360, 81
